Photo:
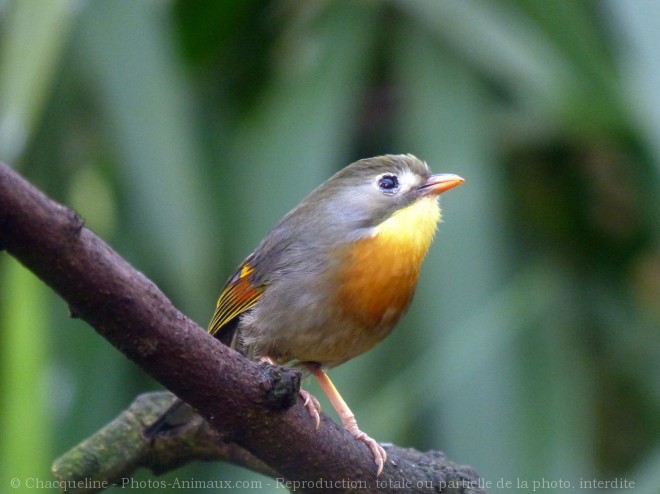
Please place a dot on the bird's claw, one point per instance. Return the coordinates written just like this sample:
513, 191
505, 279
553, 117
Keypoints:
380, 455
312, 405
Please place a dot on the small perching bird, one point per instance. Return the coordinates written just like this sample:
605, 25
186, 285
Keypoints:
336, 274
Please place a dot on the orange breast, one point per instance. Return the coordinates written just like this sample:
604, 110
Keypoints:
380, 274
377, 283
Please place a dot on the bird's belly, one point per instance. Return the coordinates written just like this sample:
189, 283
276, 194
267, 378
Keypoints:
363, 302
372, 291
335, 343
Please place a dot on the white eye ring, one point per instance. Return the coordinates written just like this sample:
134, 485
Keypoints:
388, 183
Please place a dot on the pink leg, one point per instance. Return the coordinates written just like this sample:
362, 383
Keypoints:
348, 418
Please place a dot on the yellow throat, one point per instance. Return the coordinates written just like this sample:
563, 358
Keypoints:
410, 230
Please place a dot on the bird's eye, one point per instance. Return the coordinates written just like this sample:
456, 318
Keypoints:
389, 184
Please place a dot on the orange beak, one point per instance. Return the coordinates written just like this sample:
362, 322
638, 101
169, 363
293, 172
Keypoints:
437, 184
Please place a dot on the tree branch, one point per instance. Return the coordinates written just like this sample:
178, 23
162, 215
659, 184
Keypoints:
92, 459
135, 316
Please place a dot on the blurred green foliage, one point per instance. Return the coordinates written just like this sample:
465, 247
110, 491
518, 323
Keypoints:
183, 130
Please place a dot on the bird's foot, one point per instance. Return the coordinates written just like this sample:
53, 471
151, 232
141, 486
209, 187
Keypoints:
312, 405
380, 455
348, 418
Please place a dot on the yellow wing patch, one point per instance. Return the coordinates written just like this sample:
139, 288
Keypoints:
238, 296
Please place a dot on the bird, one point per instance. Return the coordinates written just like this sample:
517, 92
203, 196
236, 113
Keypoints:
335, 275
